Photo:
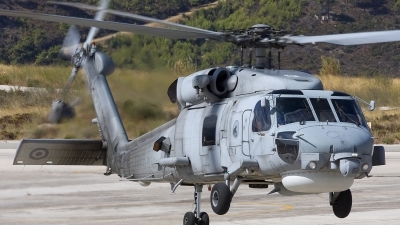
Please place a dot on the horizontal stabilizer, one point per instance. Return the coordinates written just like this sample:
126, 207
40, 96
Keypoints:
60, 152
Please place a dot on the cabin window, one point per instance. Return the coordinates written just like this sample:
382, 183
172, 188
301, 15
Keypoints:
209, 128
262, 117
291, 110
349, 111
322, 109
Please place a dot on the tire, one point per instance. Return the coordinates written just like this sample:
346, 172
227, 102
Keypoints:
220, 198
189, 219
342, 207
205, 220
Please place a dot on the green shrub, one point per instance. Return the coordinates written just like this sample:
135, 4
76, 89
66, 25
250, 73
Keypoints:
33, 83
388, 140
69, 136
330, 66
4, 79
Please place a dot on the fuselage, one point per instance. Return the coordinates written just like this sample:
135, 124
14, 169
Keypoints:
282, 129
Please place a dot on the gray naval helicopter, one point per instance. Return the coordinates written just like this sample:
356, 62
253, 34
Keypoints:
253, 126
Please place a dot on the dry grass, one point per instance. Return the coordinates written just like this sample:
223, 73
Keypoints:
143, 103
36, 76
141, 98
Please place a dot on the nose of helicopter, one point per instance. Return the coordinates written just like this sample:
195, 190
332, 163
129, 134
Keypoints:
335, 139
331, 156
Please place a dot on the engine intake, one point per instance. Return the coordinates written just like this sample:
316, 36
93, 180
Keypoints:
218, 83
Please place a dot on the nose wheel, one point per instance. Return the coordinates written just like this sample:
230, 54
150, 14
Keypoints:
341, 203
220, 198
189, 219
196, 217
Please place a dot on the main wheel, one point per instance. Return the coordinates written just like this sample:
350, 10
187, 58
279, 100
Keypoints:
189, 219
205, 220
342, 206
220, 198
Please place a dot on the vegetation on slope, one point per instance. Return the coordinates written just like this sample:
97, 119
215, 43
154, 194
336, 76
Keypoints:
30, 41
134, 50
25, 41
295, 16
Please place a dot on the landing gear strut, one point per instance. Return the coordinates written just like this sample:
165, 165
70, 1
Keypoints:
196, 217
341, 203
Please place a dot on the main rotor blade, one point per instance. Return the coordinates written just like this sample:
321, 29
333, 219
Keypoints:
101, 13
154, 31
348, 39
134, 16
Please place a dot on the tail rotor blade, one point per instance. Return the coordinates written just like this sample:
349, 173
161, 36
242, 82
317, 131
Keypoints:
71, 42
60, 109
101, 13
70, 81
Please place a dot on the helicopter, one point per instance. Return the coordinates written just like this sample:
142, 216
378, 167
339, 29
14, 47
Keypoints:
237, 125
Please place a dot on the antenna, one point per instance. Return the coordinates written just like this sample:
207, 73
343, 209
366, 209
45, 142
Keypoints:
241, 56
279, 59
251, 56
269, 59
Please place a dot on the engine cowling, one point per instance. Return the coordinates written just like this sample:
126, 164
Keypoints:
209, 85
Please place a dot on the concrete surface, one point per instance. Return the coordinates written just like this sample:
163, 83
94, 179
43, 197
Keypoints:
83, 195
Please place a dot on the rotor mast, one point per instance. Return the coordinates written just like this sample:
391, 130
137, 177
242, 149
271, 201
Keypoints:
264, 32
261, 52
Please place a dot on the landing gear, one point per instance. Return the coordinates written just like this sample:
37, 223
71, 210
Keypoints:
204, 219
341, 203
196, 217
189, 219
220, 198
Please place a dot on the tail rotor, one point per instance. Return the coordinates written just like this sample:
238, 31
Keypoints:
72, 49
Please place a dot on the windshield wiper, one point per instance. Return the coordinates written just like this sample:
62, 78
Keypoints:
355, 122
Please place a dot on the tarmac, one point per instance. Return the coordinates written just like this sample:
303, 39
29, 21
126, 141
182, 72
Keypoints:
83, 195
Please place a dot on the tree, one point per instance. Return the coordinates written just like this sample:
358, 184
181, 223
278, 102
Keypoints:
23, 52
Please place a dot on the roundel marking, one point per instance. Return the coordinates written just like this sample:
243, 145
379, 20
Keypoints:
39, 153
235, 130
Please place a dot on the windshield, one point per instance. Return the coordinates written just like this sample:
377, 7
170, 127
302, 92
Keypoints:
322, 109
348, 111
291, 110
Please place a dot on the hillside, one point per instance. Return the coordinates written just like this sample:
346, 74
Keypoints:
351, 16
24, 41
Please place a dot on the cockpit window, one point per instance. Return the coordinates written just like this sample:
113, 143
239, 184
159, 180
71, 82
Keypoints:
290, 110
262, 117
322, 109
348, 111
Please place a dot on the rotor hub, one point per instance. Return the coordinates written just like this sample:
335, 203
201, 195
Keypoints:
261, 29
258, 36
